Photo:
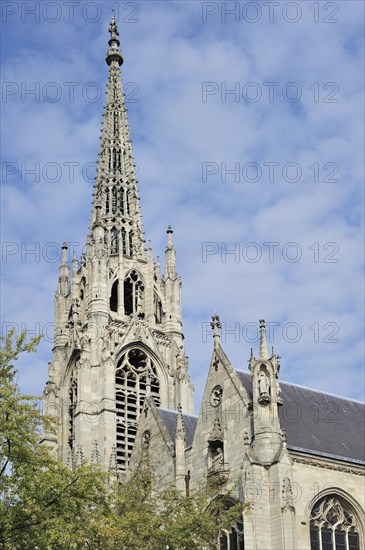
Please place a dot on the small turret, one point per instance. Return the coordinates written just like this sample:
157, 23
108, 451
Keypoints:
170, 256
264, 353
267, 435
64, 273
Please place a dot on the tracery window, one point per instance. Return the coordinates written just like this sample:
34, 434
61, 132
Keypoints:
233, 539
72, 394
333, 526
134, 373
128, 203
133, 293
124, 241
107, 201
114, 200
121, 200
114, 241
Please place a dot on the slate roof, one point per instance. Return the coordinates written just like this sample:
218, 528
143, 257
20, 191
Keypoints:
315, 422
319, 423
169, 418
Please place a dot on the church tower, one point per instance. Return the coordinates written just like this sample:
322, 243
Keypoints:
118, 324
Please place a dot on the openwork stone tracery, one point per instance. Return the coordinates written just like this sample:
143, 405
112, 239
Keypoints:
333, 526
136, 376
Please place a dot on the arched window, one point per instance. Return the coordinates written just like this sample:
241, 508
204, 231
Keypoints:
121, 200
128, 204
131, 243
333, 526
133, 293
114, 297
114, 241
107, 202
114, 160
114, 200
82, 297
124, 242
72, 395
233, 539
158, 309
134, 374
115, 122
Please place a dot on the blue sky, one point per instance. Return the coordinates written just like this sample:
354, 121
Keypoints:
291, 130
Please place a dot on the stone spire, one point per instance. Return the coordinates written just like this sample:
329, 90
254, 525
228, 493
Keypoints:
264, 353
116, 202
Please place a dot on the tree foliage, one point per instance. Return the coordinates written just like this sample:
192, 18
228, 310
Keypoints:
46, 505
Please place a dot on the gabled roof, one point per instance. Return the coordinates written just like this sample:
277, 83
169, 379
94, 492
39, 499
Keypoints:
169, 418
319, 423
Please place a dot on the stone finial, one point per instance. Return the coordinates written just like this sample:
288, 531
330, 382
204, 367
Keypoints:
113, 28
169, 237
252, 360
264, 353
216, 325
64, 253
114, 43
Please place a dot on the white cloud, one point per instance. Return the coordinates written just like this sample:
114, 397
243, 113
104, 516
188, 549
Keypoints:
169, 54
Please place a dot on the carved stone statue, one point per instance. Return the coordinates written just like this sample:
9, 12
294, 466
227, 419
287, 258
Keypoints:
216, 433
218, 460
264, 388
146, 439
181, 364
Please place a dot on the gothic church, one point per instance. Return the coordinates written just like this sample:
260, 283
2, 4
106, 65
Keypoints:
120, 385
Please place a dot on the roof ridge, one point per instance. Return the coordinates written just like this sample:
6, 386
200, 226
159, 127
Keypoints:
176, 412
313, 389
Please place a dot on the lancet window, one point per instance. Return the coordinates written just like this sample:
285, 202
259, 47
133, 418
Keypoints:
114, 241
333, 526
124, 241
121, 200
114, 200
114, 296
115, 122
233, 539
107, 202
135, 375
133, 293
158, 309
